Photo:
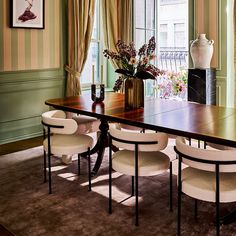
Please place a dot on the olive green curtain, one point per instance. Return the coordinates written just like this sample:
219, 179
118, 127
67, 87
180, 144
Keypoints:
117, 18
80, 26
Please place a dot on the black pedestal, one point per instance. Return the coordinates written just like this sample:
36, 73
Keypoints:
202, 86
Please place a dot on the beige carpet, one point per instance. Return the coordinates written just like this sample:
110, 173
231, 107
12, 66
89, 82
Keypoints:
27, 209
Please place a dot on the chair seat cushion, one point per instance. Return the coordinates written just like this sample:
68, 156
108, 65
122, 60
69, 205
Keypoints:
86, 124
201, 185
149, 163
68, 144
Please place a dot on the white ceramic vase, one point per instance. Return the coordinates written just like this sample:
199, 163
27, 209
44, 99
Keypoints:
201, 50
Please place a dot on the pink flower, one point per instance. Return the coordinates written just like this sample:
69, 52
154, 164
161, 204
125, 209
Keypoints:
132, 61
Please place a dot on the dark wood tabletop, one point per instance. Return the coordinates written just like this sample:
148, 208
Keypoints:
203, 122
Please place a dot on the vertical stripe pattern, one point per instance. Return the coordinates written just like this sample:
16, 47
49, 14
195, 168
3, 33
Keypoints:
200, 17
6, 37
28, 49
207, 23
1, 35
213, 30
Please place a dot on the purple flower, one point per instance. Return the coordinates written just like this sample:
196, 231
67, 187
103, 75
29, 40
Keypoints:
132, 62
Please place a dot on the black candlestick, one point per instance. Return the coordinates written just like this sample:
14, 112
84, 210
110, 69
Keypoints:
94, 94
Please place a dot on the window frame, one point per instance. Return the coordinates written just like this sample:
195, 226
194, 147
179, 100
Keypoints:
101, 61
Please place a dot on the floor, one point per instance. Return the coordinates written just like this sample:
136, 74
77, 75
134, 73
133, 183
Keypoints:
15, 147
20, 145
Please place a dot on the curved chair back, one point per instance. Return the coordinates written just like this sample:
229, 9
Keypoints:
56, 119
204, 159
160, 140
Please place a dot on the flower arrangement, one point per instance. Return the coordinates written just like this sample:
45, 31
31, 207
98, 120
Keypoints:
172, 84
134, 63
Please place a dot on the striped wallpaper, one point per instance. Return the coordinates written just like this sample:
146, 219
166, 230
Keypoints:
28, 49
207, 13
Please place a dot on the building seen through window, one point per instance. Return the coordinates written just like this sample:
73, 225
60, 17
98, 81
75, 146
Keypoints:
167, 20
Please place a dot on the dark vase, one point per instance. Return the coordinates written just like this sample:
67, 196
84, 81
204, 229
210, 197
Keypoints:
134, 93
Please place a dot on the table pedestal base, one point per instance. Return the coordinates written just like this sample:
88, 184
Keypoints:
100, 146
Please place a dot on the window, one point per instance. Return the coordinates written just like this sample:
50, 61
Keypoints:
94, 54
167, 20
179, 35
163, 35
145, 21
145, 28
170, 28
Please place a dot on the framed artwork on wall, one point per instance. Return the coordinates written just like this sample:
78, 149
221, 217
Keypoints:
27, 14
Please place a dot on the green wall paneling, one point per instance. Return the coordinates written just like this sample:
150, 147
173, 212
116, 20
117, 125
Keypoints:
22, 103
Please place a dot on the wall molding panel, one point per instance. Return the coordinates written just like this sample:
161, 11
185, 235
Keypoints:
23, 103
20, 129
221, 86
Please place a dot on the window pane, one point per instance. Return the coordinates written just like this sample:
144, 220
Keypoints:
92, 59
140, 38
149, 34
95, 26
163, 35
163, 39
150, 14
179, 37
140, 13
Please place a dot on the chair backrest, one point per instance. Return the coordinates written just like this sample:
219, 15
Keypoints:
160, 138
58, 118
226, 158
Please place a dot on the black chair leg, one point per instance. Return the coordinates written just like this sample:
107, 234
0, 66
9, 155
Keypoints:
45, 166
78, 164
136, 201
49, 173
110, 178
217, 201
195, 209
132, 190
89, 170
136, 186
179, 197
217, 219
179, 212
171, 187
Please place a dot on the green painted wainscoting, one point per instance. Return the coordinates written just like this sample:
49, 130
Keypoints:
22, 97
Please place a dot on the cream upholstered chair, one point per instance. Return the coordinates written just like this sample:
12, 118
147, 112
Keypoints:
139, 155
210, 176
61, 140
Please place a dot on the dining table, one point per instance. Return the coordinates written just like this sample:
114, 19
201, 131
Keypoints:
209, 123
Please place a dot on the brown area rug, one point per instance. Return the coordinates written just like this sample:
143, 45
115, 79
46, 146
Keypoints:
26, 208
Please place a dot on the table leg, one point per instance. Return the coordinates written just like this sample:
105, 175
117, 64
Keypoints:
100, 146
